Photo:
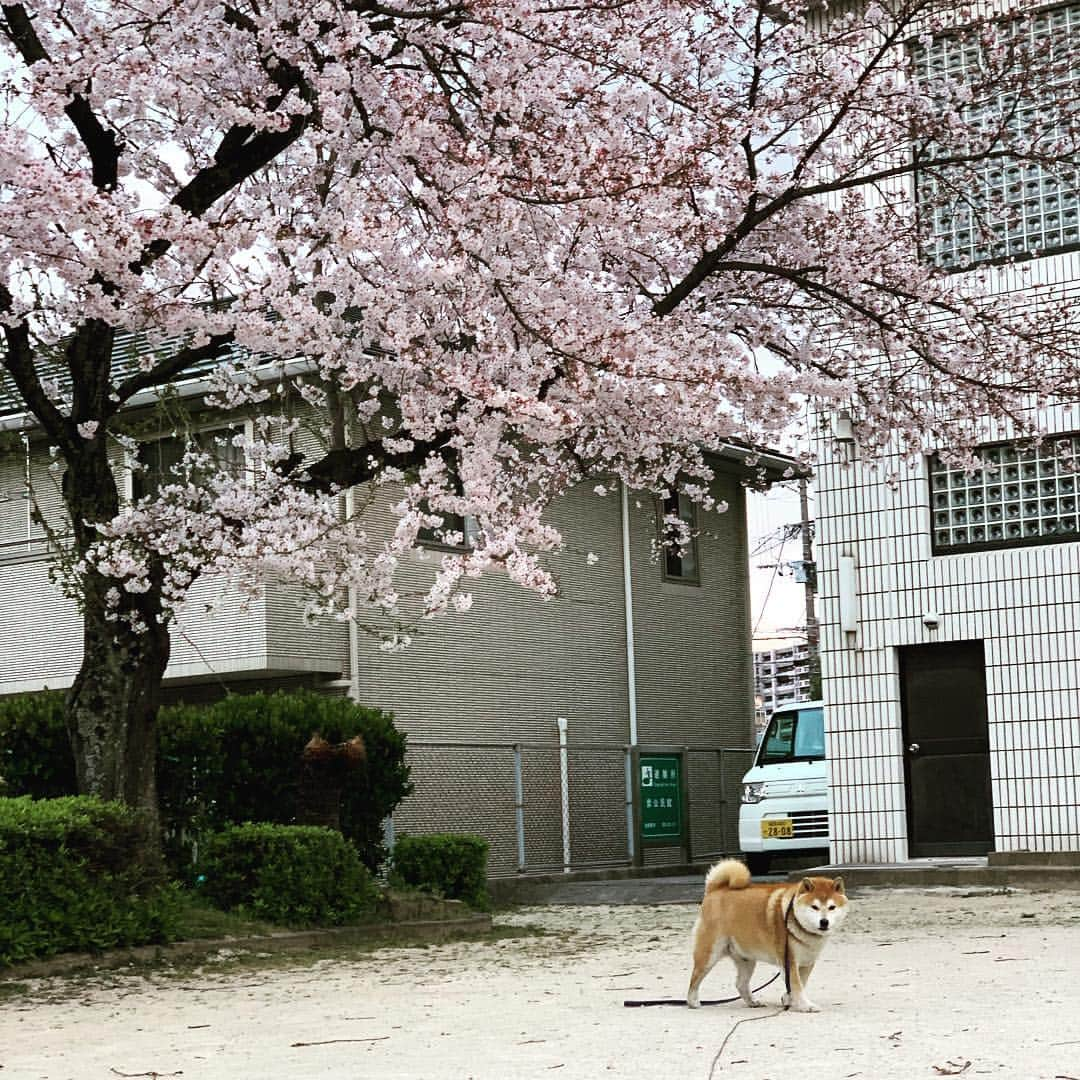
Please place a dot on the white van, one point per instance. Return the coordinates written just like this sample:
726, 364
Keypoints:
785, 801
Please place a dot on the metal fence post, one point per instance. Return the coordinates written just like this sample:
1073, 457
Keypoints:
685, 780
725, 825
519, 808
635, 795
564, 784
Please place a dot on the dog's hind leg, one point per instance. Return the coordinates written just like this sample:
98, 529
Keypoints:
705, 959
744, 970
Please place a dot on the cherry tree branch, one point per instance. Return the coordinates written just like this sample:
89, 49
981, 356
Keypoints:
101, 144
19, 362
347, 466
171, 367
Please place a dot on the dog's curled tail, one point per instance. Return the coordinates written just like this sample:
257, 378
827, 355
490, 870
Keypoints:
729, 874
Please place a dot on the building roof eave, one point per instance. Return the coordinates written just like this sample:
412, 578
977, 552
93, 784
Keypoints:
761, 467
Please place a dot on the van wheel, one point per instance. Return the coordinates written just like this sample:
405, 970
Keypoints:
757, 862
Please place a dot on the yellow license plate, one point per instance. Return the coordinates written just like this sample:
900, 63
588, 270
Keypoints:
777, 829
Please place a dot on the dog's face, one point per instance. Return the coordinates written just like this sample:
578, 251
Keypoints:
820, 904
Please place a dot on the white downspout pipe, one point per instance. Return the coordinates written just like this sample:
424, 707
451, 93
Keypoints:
28, 492
628, 607
564, 789
354, 632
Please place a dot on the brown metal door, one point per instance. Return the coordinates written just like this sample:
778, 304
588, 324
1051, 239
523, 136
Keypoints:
946, 749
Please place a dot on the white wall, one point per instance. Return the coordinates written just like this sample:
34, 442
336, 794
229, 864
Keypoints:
1022, 602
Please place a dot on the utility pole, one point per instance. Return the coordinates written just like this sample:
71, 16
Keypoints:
813, 635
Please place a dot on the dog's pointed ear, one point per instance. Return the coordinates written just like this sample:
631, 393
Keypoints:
807, 885
838, 885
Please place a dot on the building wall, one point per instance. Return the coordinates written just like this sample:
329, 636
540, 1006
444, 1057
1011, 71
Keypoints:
1022, 602
508, 667
506, 670
218, 635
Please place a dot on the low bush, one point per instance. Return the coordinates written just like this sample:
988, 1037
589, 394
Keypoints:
72, 879
296, 875
453, 865
35, 753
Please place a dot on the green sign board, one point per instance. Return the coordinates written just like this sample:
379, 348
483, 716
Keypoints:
660, 791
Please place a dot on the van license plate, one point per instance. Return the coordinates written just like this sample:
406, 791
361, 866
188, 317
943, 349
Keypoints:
777, 829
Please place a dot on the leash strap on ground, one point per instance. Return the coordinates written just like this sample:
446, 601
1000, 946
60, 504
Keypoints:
635, 1004
734, 1028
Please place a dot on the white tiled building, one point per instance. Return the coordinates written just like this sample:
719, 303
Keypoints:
950, 603
951, 670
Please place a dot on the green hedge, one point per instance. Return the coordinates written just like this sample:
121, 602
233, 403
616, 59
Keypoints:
453, 865
71, 879
35, 754
233, 761
298, 875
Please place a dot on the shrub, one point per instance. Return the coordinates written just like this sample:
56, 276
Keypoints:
299, 875
239, 760
71, 878
450, 864
35, 754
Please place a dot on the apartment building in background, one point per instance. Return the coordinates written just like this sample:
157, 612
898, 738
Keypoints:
782, 676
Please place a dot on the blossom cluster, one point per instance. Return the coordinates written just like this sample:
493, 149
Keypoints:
544, 244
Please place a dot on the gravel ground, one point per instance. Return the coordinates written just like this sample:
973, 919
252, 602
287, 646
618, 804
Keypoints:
916, 984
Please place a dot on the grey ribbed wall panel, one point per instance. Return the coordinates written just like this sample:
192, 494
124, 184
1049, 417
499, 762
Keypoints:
597, 806
475, 794
542, 804
505, 670
694, 664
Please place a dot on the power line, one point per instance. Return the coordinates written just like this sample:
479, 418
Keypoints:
772, 582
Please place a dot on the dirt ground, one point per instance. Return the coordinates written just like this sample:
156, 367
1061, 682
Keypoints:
916, 984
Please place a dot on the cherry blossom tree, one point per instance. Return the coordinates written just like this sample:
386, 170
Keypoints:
503, 247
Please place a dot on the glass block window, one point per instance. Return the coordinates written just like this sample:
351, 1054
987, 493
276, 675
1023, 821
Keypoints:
1017, 495
1000, 209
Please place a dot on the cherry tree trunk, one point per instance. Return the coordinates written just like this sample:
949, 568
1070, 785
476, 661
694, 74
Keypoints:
113, 704
112, 711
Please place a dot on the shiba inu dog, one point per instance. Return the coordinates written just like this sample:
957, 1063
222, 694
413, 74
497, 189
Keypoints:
785, 924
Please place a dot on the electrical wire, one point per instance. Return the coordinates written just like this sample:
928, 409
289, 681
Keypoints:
772, 582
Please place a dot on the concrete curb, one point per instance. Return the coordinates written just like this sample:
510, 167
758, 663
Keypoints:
1024, 876
284, 941
528, 888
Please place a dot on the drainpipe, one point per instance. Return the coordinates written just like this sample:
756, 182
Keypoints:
628, 607
28, 493
354, 631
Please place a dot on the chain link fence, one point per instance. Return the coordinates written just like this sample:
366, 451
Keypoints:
545, 807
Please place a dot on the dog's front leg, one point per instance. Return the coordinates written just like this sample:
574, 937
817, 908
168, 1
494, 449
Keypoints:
797, 1001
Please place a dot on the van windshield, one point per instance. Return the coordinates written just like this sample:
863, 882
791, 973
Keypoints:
794, 735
